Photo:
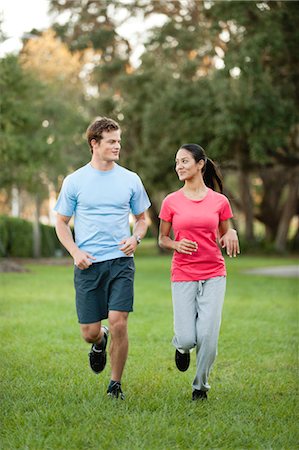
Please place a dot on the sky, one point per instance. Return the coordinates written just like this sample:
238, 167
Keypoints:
19, 17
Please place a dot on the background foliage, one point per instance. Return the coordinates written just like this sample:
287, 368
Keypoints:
222, 74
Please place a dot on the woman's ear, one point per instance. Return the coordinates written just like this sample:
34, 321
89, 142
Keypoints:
201, 164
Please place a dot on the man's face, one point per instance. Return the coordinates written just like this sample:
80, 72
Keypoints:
109, 146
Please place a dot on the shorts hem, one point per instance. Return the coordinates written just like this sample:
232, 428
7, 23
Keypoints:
87, 322
121, 310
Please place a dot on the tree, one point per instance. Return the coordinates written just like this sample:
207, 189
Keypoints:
65, 118
91, 30
257, 94
247, 118
223, 74
41, 125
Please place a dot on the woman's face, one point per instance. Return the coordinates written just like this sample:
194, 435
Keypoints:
185, 165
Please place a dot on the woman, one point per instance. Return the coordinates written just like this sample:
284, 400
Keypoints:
199, 217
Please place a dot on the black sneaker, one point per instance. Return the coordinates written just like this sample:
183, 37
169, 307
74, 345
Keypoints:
182, 360
199, 395
114, 391
98, 355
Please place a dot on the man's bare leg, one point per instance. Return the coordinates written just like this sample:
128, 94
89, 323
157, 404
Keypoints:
119, 345
97, 335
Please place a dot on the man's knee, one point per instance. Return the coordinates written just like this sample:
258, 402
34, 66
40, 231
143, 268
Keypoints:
118, 325
91, 332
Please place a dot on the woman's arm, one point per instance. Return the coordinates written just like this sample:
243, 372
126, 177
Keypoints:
228, 239
183, 246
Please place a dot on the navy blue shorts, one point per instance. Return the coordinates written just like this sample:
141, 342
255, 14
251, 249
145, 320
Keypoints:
103, 287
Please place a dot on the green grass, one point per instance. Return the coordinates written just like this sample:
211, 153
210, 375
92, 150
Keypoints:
50, 399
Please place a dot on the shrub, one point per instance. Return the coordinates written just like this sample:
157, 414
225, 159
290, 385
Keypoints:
16, 239
4, 238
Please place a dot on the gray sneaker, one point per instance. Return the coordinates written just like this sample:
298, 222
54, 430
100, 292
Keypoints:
98, 356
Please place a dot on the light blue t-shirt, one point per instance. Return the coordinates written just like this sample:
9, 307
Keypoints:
101, 202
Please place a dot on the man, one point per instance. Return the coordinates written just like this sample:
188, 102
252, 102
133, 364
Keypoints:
101, 195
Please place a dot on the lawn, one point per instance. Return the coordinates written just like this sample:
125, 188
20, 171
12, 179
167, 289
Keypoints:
50, 399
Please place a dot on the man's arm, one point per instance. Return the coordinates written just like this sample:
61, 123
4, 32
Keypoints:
228, 239
139, 230
64, 233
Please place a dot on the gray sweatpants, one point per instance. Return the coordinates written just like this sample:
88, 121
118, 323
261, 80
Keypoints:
197, 307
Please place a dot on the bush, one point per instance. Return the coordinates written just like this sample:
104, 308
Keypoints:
20, 238
3, 235
16, 239
50, 245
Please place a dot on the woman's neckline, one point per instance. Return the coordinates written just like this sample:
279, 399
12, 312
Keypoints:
195, 199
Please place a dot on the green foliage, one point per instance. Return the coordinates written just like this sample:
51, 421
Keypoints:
50, 245
51, 399
245, 121
18, 122
89, 25
16, 239
4, 235
40, 131
258, 107
177, 95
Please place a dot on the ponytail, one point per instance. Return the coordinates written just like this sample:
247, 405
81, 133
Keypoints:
211, 176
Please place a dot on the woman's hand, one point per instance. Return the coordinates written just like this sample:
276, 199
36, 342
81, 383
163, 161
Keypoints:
185, 246
230, 241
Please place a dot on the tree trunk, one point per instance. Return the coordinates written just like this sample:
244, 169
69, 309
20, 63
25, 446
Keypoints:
289, 210
36, 228
247, 203
236, 205
51, 204
15, 202
243, 158
274, 180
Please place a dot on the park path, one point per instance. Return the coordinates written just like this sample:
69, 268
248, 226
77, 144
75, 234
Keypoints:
278, 271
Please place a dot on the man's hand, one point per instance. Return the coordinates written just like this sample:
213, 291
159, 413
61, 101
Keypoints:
82, 259
128, 245
185, 246
231, 242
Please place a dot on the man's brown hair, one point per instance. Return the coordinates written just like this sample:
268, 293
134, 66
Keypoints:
95, 130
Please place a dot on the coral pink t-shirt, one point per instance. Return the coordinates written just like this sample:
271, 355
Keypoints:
197, 220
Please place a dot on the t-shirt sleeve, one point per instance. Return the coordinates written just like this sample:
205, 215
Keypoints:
166, 212
66, 202
139, 200
226, 211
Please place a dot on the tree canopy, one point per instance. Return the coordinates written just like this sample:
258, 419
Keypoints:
222, 74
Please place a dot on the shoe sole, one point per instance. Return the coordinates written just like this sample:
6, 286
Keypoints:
120, 396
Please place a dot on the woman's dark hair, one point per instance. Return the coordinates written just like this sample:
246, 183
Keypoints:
211, 174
